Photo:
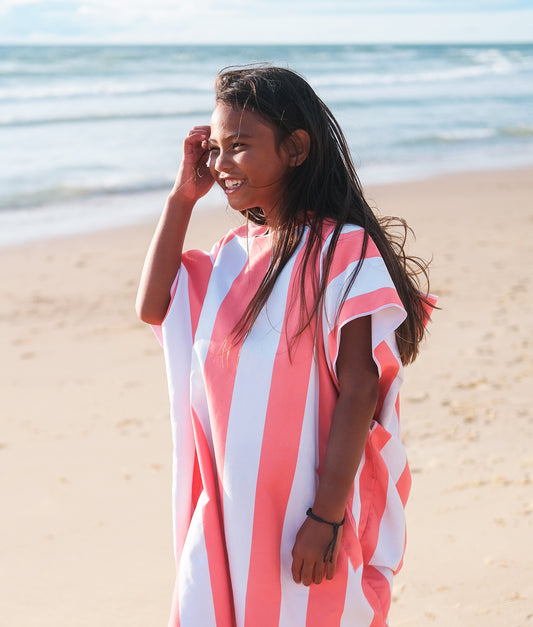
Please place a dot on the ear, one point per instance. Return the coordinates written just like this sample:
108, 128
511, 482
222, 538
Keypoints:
298, 145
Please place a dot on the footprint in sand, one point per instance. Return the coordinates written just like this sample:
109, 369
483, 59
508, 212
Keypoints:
126, 423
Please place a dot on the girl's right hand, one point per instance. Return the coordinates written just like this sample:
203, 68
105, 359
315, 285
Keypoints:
194, 179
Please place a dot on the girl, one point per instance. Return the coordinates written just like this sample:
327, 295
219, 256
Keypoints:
284, 348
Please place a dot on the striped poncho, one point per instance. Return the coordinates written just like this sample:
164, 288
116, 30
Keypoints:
250, 427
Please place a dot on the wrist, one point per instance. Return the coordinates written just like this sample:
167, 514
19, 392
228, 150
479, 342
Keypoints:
329, 511
330, 499
177, 201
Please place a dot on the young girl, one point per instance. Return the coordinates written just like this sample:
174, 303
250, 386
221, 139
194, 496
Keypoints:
284, 348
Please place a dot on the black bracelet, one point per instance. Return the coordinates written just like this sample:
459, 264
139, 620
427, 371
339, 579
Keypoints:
331, 546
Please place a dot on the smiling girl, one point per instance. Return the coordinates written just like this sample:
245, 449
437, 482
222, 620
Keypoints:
284, 349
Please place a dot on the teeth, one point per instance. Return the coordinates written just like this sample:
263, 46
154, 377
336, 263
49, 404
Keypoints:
231, 183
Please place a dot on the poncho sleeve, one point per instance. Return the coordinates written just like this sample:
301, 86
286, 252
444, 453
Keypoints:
371, 293
188, 289
176, 335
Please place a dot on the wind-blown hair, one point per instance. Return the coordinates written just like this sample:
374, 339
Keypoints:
325, 187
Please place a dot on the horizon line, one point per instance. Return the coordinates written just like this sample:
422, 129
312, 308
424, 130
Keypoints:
465, 42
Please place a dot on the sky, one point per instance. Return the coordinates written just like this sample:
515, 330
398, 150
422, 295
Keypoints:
265, 21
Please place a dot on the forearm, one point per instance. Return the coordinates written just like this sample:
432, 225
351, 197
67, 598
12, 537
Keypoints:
313, 555
163, 260
358, 394
346, 442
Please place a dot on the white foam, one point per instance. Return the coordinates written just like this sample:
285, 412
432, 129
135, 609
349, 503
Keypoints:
86, 215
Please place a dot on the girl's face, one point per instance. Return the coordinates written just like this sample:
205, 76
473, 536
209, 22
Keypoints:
246, 161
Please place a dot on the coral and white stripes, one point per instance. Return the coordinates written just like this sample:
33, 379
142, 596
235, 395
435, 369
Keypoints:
250, 426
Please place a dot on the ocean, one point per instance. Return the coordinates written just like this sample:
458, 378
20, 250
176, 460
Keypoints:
90, 135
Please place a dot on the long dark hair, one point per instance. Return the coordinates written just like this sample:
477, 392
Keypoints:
325, 187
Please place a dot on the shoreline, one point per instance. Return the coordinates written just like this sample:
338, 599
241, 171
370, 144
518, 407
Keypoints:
85, 452
96, 214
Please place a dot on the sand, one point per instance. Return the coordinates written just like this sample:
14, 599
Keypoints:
85, 453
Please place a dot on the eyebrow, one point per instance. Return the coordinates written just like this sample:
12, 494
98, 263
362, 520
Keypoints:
230, 138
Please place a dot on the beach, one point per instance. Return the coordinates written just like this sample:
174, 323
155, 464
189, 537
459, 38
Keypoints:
85, 447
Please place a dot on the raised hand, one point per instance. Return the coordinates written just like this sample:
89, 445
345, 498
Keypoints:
194, 179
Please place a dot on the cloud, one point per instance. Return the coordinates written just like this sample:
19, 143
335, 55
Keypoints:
101, 20
30, 19
264, 21
398, 7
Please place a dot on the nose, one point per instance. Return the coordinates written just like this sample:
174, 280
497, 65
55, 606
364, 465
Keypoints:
220, 161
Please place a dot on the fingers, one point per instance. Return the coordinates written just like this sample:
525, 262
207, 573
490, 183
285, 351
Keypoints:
200, 133
196, 141
308, 572
297, 570
318, 572
202, 128
330, 568
307, 569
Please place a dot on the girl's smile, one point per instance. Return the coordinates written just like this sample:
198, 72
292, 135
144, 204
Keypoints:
246, 160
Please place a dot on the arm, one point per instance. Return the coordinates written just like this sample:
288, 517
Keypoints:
358, 394
164, 255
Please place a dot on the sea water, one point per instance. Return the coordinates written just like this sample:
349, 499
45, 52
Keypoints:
93, 129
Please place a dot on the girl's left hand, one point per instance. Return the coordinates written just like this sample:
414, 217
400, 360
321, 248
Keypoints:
308, 564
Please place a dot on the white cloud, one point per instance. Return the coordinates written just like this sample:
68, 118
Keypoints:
264, 21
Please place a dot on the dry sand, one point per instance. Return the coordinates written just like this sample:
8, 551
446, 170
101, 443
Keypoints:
85, 453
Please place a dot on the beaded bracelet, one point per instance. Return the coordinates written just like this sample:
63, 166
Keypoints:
331, 546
